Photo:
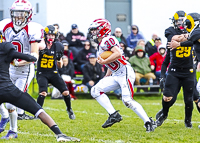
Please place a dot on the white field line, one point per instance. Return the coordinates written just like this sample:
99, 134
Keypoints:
85, 112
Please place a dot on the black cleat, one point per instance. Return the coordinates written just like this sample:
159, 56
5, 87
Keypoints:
150, 126
188, 123
113, 118
71, 114
159, 113
24, 117
160, 120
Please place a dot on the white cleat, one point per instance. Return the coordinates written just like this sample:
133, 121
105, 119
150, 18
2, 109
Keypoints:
64, 138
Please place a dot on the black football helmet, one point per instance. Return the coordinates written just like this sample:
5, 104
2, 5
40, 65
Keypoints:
191, 22
50, 29
178, 19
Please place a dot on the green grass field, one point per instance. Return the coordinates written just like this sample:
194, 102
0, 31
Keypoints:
90, 116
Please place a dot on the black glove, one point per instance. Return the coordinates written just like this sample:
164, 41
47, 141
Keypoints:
59, 55
162, 83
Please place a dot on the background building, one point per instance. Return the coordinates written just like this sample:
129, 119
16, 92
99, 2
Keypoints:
150, 15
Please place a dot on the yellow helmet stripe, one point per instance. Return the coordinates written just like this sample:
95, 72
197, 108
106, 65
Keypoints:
46, 30
176, 17
189, 17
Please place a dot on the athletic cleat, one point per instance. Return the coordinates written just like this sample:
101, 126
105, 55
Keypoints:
64, 138
10, 135
113, 118
159, 113
188, 123
3, 124
71, 114
24, 117
160, 120
150, 126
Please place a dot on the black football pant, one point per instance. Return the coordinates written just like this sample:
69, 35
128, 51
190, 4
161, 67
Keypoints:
174, 81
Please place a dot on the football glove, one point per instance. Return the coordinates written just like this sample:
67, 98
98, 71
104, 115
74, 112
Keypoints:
162, 83
59, 55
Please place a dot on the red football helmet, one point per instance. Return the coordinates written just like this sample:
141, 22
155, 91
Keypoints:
100, 28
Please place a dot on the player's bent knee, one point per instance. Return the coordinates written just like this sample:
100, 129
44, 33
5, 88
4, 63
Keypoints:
43, 93
65, 93
95, 92
127, 100
10, 107
167, 99
39, 112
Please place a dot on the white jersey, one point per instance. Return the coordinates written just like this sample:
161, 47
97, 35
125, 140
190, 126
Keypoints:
22, 40
105, 45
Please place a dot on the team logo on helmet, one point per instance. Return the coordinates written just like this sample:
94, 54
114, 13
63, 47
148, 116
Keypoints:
192, 21
100, 28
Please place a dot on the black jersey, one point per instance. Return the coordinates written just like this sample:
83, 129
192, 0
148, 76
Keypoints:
47, 59
4, 66
7, 54
195, 38
181, 57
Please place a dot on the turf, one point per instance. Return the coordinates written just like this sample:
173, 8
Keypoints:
90, 116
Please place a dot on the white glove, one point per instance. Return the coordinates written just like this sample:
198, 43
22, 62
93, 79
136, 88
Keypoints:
198, 85
15, 63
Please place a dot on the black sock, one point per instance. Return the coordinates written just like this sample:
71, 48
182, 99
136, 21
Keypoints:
67, 100
40, 100
166, 106
55, 129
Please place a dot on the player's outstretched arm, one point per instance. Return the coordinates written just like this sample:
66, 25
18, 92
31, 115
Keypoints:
16, 55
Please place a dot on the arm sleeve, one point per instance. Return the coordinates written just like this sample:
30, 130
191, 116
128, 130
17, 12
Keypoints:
186, 44
197, 49
165, 64
16, 55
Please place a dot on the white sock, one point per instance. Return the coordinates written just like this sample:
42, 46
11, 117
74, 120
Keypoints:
13, 121
20, 111
3, 111
104, 101
138, 109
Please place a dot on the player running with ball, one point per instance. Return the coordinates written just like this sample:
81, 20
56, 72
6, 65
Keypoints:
119, 75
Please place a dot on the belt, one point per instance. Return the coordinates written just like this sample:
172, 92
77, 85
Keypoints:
191, 70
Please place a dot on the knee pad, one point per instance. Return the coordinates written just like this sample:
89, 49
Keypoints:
127, 100
10, 106
95, 92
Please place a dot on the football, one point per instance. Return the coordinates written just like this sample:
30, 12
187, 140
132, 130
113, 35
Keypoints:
106, 54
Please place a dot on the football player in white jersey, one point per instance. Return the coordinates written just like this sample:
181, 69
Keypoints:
24, 35
119, 75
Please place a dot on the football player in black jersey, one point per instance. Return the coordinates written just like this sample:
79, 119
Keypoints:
180, 72
11, 94
50, 59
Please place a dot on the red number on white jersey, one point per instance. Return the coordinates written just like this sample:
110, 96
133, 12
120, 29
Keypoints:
18, 47
110, 43
114, 65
